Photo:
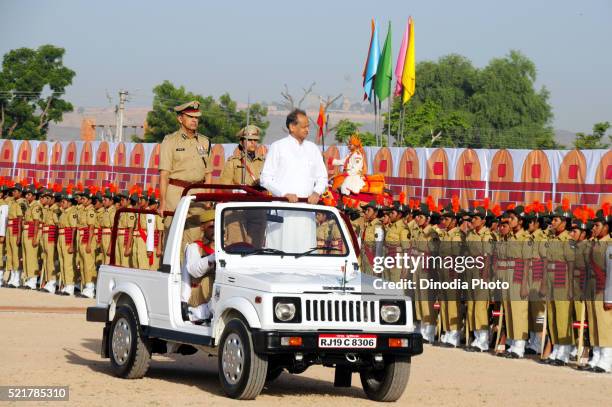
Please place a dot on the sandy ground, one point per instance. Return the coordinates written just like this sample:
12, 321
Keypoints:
45, 340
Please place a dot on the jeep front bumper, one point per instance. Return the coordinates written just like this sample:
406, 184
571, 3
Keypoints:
269, 342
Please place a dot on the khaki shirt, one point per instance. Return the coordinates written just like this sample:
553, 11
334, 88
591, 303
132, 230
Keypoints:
233, 169
17, 208
86, 216
186, 159
33, 212
107, 217
67, 218
451, 241
559, 248
328, 233
536, 245
370, 231
479, 243
393, 232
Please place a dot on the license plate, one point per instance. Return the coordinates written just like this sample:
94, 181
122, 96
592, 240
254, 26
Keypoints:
347, 341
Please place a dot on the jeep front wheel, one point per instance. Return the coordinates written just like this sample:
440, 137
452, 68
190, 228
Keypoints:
388, 383
242, 372
130, 353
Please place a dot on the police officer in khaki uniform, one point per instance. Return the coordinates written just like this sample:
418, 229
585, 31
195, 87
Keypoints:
244, 168
125, 228
328, 234
32, 219
372, 236
155, 254
393, 234
86, 218
66, 241
48, 239
17, 207
451, 243
557, 287
184, 160
425, 243
142, 229
106, 219
3, 221
599, 306
478, 242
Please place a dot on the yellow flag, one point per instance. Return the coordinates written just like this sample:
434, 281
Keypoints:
409, 74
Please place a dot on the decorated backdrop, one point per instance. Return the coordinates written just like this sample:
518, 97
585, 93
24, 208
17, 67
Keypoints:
582, 176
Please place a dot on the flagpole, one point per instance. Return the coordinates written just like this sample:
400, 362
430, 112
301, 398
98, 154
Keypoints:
401, 128
375, 120
389, 122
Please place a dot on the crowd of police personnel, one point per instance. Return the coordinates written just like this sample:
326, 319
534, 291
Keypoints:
555, 263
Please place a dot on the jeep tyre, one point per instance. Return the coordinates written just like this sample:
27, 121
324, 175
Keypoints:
242, 372
388, 383
130, 353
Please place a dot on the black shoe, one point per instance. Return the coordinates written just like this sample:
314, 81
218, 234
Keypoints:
502, 354
530, 351
447, 345
597, 369
558, 362
546, 361
512, 355
584, 368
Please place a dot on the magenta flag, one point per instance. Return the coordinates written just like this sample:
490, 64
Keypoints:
401, 58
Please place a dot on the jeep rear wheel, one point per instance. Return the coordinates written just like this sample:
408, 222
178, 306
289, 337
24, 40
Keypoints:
130, 353
242, 372
388, 383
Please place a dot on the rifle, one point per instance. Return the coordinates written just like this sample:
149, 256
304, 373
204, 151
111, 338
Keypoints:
500, 326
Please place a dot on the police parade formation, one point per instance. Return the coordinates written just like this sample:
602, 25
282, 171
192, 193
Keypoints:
546, 271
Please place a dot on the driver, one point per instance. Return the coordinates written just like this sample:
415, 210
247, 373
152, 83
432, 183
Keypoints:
198, 272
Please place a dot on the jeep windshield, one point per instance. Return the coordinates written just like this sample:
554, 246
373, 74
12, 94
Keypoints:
269, 231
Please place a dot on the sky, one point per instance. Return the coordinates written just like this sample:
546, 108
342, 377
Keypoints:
252, 48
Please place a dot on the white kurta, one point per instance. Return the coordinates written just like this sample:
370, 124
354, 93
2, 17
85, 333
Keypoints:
353, 167
294, 168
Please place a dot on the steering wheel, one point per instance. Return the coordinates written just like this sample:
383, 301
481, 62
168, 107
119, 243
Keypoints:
240, 247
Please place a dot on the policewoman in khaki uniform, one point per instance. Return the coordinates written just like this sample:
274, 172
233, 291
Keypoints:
600, 317
48, 238
245, 168
125, 228
31, 237
106, 219
66, 241
372, 236
558, 287
142, 229
478, 242
17, 207
86, 219
393, 234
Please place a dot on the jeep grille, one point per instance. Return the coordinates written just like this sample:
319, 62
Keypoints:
341, 311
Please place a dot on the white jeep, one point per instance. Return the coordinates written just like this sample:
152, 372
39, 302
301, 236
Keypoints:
282, 301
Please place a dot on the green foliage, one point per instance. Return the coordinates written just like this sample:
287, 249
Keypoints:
458, 105
593, 141
345, 129
220, 120
32, 82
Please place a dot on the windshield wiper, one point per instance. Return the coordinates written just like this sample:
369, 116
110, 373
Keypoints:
264, 250
312, 249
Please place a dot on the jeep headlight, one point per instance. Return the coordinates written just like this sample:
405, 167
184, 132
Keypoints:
284, 311
390, 313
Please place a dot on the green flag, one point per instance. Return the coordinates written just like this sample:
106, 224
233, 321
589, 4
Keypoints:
384, 73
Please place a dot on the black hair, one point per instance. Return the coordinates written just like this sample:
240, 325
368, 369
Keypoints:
292, 117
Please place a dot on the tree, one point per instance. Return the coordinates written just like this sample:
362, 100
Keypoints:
593, 141
345, 129
32, 82
220, 121
458, 105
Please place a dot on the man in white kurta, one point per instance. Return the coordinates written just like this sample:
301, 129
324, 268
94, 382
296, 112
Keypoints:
294, 169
